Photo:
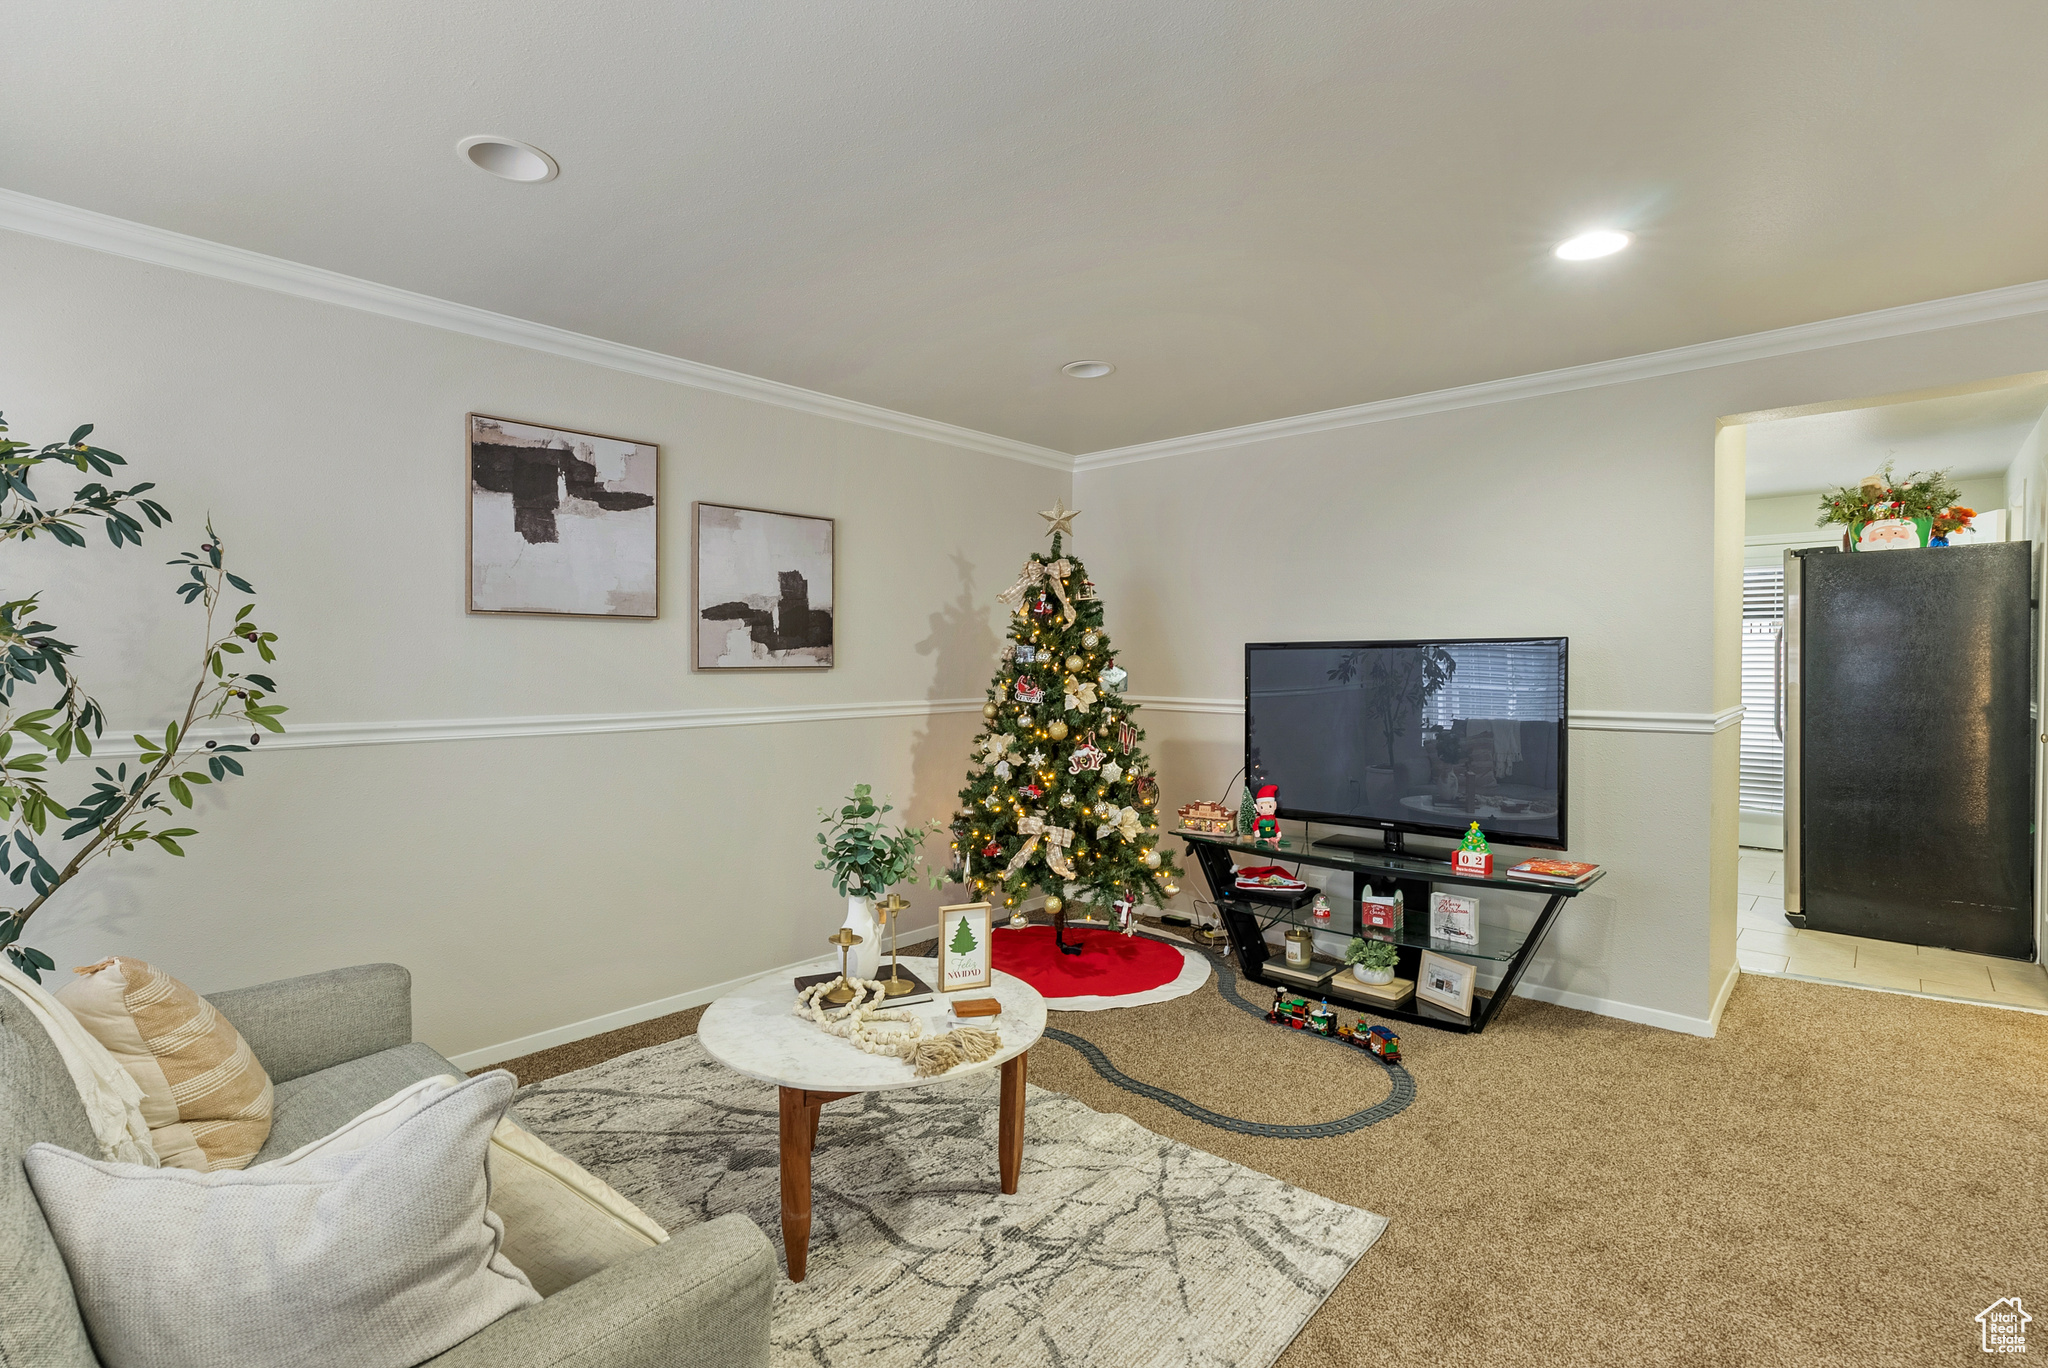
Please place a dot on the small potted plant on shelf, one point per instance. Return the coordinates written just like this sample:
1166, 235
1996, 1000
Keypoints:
867, 859
1372, 961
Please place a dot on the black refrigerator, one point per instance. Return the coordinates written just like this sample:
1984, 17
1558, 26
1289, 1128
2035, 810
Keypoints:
1909, 749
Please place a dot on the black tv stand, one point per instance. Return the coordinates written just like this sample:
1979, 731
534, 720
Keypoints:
1388, 844
1245, 920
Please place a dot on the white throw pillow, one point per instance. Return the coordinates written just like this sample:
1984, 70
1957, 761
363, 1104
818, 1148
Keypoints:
562, 1222
380, 1257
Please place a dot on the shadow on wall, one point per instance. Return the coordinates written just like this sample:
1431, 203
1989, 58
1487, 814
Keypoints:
963, 651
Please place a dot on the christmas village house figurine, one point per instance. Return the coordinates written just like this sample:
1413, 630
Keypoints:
1060, 797
1210, 819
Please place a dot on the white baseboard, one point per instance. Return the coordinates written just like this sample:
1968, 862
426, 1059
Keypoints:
1721, 998
633, 1016
1624, 1011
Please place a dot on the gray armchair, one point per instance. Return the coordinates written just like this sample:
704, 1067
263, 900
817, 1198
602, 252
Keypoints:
334, 1044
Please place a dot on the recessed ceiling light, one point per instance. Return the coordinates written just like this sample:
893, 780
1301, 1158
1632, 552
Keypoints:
509, 159
1087, 370
1598, 243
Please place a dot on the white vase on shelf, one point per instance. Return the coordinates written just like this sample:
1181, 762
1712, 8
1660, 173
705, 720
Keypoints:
865, 959
1365, 975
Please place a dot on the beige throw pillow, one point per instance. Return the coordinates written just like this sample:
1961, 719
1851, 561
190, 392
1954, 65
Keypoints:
204, 1095
562, 1222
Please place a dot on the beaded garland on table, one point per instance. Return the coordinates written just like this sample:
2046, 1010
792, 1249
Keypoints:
853, 1023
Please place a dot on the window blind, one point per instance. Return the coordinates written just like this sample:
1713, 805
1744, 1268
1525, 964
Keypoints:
1763, 755
1500, 681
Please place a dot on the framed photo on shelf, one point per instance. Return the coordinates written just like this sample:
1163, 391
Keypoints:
963, 947
561, 523
1446, 982
763, 595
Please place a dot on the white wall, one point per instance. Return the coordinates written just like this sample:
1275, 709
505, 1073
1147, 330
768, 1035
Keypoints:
529, 881
1588, 513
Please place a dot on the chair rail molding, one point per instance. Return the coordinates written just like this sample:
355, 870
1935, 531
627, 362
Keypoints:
322, 735
161, 247
1580, 719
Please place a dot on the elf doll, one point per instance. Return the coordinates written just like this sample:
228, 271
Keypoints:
1266, 828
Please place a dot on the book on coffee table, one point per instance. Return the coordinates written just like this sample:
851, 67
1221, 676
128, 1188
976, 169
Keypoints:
920, 991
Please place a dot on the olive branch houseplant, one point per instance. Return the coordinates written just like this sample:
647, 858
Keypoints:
40, 733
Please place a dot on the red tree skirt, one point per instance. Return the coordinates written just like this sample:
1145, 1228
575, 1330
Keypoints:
1110, 964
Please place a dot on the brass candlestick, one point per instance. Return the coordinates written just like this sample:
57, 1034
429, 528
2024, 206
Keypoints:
841, 992
891, 908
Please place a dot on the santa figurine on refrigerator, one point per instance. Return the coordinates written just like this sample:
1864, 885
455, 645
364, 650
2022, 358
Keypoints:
1266, 826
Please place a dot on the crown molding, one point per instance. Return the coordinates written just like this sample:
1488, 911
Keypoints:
1581, 719
2012, 301
160, 247
324, 735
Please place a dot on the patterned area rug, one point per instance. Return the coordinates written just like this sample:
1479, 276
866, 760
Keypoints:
1120, 1247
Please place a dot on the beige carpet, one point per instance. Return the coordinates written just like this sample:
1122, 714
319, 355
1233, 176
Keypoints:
1841, 1177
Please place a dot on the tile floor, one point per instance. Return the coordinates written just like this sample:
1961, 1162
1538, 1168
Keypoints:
1768, 944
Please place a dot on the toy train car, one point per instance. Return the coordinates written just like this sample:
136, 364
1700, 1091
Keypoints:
1377, 1039
1292, 1010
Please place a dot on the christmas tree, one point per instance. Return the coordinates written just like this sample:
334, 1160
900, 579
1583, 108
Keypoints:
963, 939
1060, 797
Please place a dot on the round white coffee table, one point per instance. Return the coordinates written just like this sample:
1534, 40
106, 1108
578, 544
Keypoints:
754, 1030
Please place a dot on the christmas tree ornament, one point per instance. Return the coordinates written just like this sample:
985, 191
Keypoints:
1059, 518
1151, 859
1086, 756
1032, 791
989, 711
1026, 655
1075, 664
1056, 729
1080, 697
1053, 903
1126, 737
1028, 692
1090, 640
1115, 679
1148, 790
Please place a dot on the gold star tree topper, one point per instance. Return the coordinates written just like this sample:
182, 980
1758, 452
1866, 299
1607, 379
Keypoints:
1060, 518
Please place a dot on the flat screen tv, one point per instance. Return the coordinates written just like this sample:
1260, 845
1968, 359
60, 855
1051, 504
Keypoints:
1413, 736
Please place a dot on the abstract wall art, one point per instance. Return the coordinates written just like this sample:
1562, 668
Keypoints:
560, 522
764, 590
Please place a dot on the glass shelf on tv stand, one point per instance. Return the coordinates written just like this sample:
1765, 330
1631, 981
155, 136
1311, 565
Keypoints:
1293, 849
1497, 940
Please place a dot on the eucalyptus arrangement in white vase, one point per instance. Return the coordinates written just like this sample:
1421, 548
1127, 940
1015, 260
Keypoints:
867, 859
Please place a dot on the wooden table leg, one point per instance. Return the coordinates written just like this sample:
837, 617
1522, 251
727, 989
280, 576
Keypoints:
798, 1122
1010, 1123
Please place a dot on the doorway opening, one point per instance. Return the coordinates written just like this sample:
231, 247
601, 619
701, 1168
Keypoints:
1812, 797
